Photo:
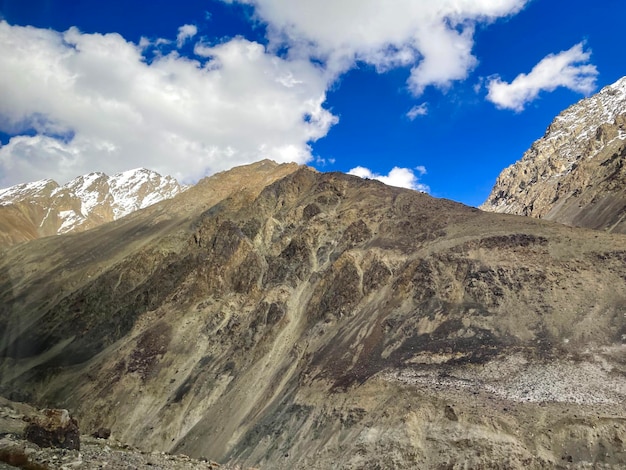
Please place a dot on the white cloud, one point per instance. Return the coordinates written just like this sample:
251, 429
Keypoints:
417, 110
96, 104
570, 69
435, 38
400, 177
185, 32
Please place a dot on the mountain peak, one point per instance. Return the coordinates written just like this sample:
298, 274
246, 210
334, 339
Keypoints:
46, 208
20, 192
574, 170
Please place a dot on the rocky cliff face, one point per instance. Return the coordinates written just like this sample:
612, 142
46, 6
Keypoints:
42, 208
575, 173
276, 317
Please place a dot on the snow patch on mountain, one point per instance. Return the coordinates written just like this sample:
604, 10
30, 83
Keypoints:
92, 190
25, 191
69, 221
578, 124
577, 134
136, 189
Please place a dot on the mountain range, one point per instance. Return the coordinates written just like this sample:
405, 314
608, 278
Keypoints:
43, 208
278, 317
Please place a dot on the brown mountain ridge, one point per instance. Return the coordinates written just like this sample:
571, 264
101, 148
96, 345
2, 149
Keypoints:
279, 317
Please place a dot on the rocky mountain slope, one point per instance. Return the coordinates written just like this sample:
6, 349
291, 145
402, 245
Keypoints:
575, 173
17, 449
276, 317
42, 208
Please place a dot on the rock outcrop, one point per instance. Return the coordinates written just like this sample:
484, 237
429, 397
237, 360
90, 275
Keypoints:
43, 208
574, 174
276, 317
53, 428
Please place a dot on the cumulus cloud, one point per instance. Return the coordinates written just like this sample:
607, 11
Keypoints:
417, 110
570, 69
94, 103
400, 177
185, 32
434, 38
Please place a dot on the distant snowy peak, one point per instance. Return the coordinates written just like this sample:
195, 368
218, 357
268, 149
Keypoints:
89, 200
139, 188
571, 165
575, 127
93, 191
603, 107
25, 191
123, 193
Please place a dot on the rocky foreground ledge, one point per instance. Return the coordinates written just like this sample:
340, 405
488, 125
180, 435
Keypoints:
31, 439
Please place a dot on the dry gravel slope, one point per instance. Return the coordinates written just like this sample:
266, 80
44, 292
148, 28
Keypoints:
318, 320
94, 452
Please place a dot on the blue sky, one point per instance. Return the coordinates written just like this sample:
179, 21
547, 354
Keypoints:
189, 88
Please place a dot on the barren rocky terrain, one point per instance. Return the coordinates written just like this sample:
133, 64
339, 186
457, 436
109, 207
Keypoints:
277, 317
575, 173
16, 450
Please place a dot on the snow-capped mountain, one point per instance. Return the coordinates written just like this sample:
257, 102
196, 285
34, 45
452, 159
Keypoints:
574, 173
44, 207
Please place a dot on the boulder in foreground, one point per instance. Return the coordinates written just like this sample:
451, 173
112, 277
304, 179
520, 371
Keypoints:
54, 428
